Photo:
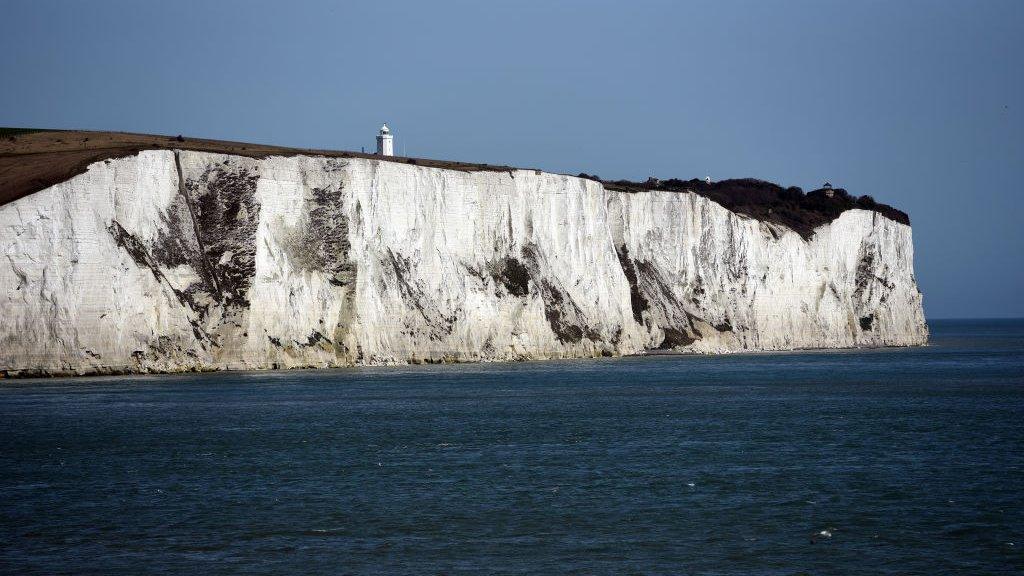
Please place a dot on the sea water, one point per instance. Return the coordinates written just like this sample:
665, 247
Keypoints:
893, 461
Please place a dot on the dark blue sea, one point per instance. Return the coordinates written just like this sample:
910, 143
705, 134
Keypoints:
898, 461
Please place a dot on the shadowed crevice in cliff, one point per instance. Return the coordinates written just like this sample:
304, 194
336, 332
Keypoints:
871, 287
867, 323
134, 247
638, 303
866, 276
412, 291
175, 243
138, 253
322, 243
675, 339
315, 338
512, 274
656, 289
160, 348
226, 212
201, 264
564, 316
685, 333
656, 304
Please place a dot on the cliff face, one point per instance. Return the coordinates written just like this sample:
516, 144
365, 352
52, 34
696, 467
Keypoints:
167, 261
714, 281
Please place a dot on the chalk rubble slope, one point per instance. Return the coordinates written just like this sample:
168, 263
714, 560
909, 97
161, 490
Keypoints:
175, 260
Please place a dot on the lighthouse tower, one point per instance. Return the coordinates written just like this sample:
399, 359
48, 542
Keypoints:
385, 146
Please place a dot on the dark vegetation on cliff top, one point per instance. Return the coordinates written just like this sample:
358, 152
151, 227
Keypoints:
31, 160
768, 202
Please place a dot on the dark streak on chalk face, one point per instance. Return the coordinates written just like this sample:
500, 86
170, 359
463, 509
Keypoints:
227, 214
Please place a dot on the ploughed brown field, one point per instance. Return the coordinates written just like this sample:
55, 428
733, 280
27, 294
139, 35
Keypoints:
31, 160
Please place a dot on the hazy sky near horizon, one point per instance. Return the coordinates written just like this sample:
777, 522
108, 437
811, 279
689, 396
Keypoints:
918, 103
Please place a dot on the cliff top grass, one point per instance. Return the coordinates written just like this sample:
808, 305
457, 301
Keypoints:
34, 159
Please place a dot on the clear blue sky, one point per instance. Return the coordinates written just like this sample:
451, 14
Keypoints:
918, 103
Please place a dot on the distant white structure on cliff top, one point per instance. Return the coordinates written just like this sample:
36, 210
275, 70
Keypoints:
385, 144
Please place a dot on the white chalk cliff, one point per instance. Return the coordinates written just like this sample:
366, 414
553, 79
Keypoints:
172, 261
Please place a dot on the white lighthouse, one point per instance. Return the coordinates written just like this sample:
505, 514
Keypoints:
385, 145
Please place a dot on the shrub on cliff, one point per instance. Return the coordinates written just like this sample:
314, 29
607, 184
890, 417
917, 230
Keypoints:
766, 201
866, 202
